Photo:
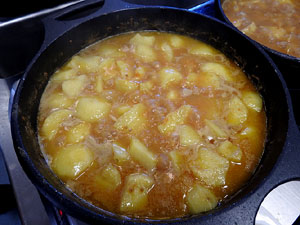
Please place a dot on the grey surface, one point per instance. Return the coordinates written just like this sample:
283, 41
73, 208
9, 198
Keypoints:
27, 197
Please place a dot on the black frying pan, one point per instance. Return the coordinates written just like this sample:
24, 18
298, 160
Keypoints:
64, 38
288, 65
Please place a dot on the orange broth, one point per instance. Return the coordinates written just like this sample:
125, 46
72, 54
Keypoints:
138, 81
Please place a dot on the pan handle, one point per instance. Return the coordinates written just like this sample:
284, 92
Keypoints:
58, 23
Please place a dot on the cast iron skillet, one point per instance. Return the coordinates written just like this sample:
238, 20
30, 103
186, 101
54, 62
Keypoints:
280, 161
288, 65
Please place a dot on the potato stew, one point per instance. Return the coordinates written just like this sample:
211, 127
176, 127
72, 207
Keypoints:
152, 125
273, 23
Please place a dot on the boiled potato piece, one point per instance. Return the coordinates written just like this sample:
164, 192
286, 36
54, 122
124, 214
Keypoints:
125, 69
146, 53
172, 95
202, 49
215, 129
168, 52
135, 193
230, 151
108, 69
188, 136
252, 100
63, 75
59, 100
250, 29
72, 160
53, 122
140, 72
120, 154
143, 46
146, 86
192, 79
87, 64
126, 85
133, 120
217, 69
108, 179
177, 160
142, 40
120, 110
168, 76
78, 132
140, 153
91, 109
200, 199
99, 84
74, 87
173, 119
176, 41
250, 132
209, 79
237, 111
210, 167
109, 51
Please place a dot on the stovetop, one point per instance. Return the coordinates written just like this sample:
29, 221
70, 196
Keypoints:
11, 212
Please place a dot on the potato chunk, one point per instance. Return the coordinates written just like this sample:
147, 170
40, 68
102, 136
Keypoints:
173, 95
72, 160
53, 122
108, 69
63, 75
168, 52
108, 179
109, 51
146, 86
217, 69
252, 100
135, 193
173, 119
176, 41
125, 69
87, 64
133, 120
230, 151
215, 129
140, 153
126, 85
200, 199
146, 53
188, 136
141, 39
120, 154
99, 84
143, 47
177, 160
237, 111
73, 87
202, 49
78, 132
59, 100
168, 76
91, 109
210, 167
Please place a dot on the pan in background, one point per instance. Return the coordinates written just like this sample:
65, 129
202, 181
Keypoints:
288, 65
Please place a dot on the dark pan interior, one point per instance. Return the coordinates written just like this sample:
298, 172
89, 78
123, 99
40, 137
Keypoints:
253, 61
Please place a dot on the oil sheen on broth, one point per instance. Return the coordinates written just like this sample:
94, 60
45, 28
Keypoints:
152, 125
273, 23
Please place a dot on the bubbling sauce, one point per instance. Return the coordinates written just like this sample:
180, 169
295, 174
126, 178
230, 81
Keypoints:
152, 125
273, 23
